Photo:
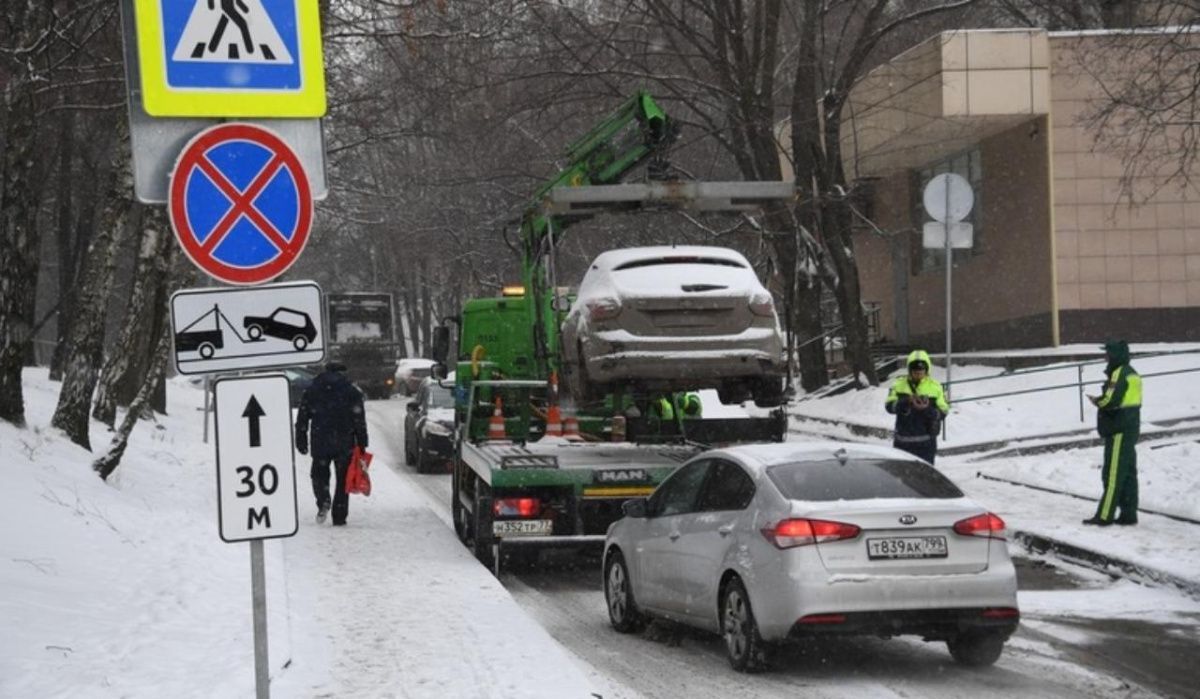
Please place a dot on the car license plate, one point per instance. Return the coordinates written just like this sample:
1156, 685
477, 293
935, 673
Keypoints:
907, 547
523, 527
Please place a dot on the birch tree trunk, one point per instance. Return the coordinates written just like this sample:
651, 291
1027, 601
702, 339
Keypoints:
87, 333
18, 226
140, 316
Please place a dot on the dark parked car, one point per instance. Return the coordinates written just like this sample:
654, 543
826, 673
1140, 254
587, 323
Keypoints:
429, 427
286, 324
674, 318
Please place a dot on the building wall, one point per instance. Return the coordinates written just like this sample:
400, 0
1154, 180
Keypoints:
1122, 269
1002, 295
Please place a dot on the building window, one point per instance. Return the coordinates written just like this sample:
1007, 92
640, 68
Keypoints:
969, 164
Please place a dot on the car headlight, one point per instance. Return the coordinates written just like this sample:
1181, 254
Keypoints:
440, 429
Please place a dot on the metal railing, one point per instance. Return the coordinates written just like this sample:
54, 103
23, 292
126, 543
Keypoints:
1078, 384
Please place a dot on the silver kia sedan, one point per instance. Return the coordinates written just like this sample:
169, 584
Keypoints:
769, 543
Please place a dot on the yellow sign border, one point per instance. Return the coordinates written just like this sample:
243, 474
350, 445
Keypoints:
161, 100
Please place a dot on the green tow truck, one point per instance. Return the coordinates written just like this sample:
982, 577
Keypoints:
516, 490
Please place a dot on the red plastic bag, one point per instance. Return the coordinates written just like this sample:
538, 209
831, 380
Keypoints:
357, 480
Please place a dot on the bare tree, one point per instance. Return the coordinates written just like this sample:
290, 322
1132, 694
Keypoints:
87, 333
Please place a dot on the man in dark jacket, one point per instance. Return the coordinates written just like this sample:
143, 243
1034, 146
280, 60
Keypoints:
1118, 420
335, 408
919, 404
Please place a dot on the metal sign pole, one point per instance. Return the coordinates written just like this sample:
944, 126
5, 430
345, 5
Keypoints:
207, 405
258, 591
949, 276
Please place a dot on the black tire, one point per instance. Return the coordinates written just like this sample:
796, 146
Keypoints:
976, 648
732, 394
207, 350
623, 612
422, 460
745, 648
769, 393
300, 342
481, 526
457, 511
254, 332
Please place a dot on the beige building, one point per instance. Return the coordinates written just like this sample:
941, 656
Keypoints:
1059, 255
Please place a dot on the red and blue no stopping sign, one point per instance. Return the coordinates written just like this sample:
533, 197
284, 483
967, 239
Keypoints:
240, 203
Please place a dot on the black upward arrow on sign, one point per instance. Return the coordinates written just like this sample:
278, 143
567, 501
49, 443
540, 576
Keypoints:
254, 413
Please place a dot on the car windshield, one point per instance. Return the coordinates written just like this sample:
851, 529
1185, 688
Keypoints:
440, 397
860, 479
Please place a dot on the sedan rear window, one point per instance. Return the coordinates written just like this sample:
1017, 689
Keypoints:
680, 260
860, 479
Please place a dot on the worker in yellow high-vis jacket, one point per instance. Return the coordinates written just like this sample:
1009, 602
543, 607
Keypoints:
1118, 421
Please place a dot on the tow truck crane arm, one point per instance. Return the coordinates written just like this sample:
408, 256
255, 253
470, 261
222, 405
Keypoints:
636, 131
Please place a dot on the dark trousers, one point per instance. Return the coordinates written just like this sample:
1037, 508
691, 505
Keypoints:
1119, 477
926, 449
320, 483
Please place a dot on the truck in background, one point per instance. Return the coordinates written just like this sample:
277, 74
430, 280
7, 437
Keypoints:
362, 335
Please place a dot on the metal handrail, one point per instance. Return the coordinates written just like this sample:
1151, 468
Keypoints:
1078, 384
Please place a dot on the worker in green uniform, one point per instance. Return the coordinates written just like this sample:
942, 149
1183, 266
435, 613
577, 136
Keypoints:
1118, 420
919, 404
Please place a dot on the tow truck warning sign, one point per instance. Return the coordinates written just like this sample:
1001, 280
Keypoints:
256, 468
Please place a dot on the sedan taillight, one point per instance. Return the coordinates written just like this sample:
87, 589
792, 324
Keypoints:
761, 304
603, 308
802, 532
986, 525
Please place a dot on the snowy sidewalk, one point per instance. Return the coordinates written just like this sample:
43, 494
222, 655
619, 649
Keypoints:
395, 606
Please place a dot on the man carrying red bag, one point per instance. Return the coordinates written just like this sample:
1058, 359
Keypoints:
339, 424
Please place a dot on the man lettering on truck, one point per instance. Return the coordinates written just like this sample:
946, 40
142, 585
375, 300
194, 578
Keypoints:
335, 408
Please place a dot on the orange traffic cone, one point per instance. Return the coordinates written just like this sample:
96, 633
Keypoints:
554, 426
496, 422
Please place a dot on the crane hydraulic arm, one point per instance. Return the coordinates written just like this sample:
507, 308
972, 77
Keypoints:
636, 131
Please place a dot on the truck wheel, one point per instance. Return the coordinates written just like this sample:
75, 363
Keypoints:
254, 332
207, 350
457, 511
482, 525
300, 342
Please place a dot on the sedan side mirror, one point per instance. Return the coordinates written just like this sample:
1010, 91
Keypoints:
635, 508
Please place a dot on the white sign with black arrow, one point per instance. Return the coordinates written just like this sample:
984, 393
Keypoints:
256, 469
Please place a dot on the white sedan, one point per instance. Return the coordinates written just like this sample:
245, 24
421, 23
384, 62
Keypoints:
768, 543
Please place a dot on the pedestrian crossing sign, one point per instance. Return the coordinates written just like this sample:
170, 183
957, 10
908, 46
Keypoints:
230, 58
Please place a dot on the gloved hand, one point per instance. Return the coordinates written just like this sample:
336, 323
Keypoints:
302, 443
920, 402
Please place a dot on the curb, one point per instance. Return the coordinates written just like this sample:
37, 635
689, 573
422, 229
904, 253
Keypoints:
1103, 563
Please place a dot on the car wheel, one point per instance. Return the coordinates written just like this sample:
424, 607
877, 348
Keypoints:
732, 393
254, 332
622, 610
207, 351
744, 647
422, 460
300, 342
769, 393
976, 648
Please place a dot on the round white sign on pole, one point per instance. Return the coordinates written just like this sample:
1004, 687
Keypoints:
948, 197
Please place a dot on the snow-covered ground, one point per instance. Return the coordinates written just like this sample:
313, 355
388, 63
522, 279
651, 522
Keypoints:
124, 589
